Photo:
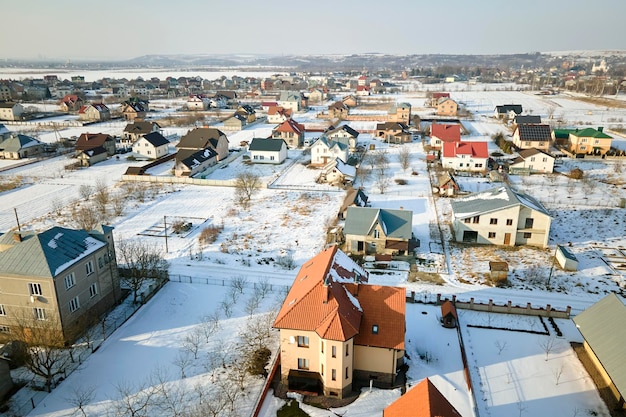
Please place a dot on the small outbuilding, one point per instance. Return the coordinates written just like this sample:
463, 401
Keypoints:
449, 318
499, 271
6, 383
566, 259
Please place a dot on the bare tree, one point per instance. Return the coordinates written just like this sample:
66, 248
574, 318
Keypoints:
363, 173
85, 191
85, 216
172, 399
182, 361
404, 157
134, 401
246, 185
209, 325
262, 287
118, 202
548, 345
57, 205
140, 261
46, 354
557, 372
227, 308
81, 397
380, 166
239, 283
192, 342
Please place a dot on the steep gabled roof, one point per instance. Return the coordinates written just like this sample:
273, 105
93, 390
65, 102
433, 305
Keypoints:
602, 326
290, 125
527, 119
193, 158
344, 128
91, 140
46, 254
493, 200
397, 224
534, 132
354, 196
16, 141
156, 139
200, 138
270, 145
423, 400
141, 127
590, 133
505, 108
446, 132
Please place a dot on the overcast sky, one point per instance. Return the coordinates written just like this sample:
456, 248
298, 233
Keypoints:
121, 29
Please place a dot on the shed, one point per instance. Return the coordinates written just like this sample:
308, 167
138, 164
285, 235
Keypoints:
566, 259
449, 317
499, 271
6, 383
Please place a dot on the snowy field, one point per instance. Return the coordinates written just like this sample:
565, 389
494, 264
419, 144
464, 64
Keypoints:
289, 224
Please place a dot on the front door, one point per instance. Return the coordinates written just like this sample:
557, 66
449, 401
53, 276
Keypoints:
507, 238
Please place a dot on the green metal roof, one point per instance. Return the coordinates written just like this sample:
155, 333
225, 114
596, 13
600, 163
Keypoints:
46, 254
590, 133
396, 224
562, 133
602, 326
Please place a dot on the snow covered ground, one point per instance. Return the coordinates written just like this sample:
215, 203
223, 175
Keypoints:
286, 226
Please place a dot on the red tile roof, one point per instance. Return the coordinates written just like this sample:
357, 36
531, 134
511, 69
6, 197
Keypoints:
325, 298
290, 125
446, 132
437, 96
448, 308
423, 400
474, 149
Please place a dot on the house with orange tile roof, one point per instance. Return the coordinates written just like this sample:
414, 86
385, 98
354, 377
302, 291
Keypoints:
444, 133
335, 329
291, 132
465, 156
423, 400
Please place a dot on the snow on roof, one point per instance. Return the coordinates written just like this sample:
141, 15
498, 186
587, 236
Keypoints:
353, 300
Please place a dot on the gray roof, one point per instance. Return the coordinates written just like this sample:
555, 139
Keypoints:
533, 132
200, 138
527, 118
140, 127
156, 139
273, 145
505, 108
193, 158
602, 326
397, 224
494, 199
16, 142
48, 253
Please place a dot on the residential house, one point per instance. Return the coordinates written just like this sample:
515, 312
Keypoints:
88, 141
355, 197
317, 95
277, 114
393, 132
197, 102
500, 216
325, 150
560, 137
589, 141
338, 110
465, 156
507, 111
375, 230
136, 129
336, 331
337, 172
267, 151
91, 156
202, 138
526, 119
538, 136
190, 162
152, 146
62, 276
71, 103
291, 132
444, 133
344, 134
446, 107
5, 92
133, 110
11, 111
434, 99
448, 186
247, 112
604, 334
350, 101
532, 161
400, 113
94, 112
290, 100
18, 146
423, 400
235, 123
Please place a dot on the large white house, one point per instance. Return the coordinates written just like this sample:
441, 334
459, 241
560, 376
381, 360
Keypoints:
465, 156
267, 151
532, 161
325, 150
153, 146
500, 216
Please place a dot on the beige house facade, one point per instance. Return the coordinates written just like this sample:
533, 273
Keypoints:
589, 141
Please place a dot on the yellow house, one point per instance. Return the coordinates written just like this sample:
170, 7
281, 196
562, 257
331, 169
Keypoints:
589, 141
335, 330
447, 107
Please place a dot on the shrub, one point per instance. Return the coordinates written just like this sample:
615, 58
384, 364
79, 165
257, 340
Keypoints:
180, 226
400, 181
291, 409
576, 173
259, 361
209, 234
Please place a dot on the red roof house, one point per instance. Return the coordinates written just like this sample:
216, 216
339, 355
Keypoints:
465, 156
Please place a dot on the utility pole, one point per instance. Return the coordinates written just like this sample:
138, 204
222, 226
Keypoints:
165, 229
552, 266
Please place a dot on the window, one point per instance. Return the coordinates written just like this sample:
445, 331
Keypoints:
493, 221
334, 375
89, 267
3, 311
34, 288
100, 262
334, 351
322, 370
70, 281
478, 165
93, 290
303, 341
375, 329
527, 235
303, 363
5, 329
492, 235
544, 160
476, 219
583, 147
376, 234
322, 346
583, 140
596, 142
272, 158
532, 159
468, 220
347, 372
74, 304
509, 222
347, 350
529, 223
39, 313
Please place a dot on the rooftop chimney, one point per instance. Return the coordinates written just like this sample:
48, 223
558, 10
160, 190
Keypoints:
600, 128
